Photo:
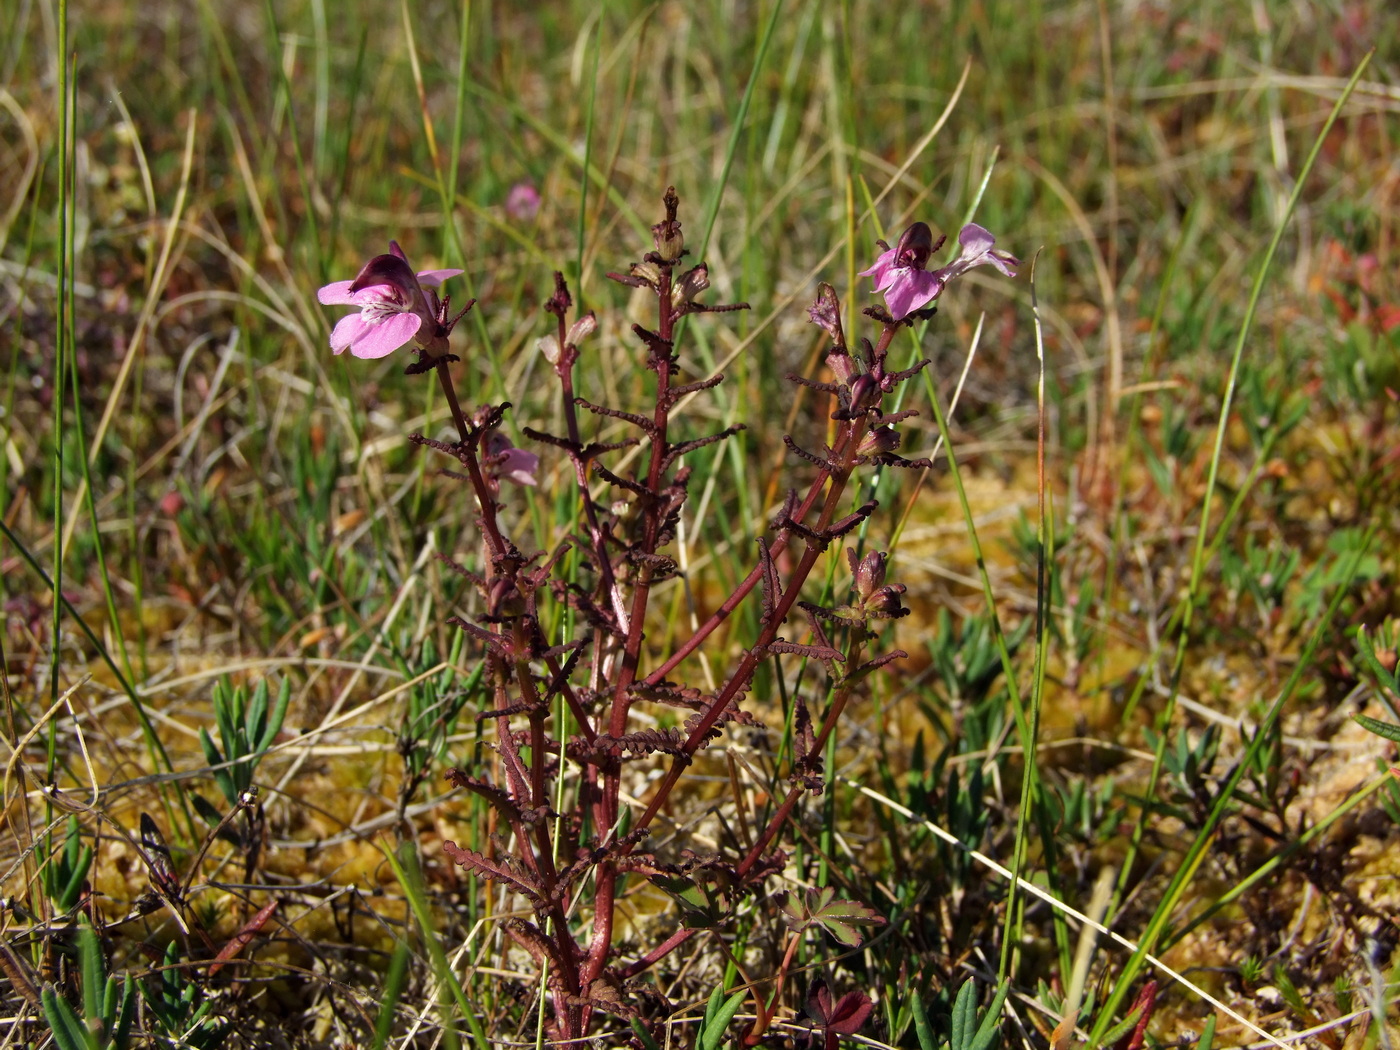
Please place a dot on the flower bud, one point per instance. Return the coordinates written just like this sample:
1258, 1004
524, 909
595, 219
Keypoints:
504, 598
825, 313
865, 393
691, 284
648, 272
870, 575
843, 366
549, 346
885, 603
880, 441
582, 329
668, 240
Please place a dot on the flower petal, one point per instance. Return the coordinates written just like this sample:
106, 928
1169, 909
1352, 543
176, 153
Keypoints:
975, 239
337, 293
912, 291
519, 466
433, 278
380, 340
1003, 261
882, 264
347, 330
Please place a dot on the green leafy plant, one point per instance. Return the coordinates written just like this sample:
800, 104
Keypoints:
973, 1029
67, 870
1378, 659
719, 1012
182, 1012
108, 1005
247, 726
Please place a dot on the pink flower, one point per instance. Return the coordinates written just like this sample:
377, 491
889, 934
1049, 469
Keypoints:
977, 250
394, 308
523, 201
505, 462
902, 273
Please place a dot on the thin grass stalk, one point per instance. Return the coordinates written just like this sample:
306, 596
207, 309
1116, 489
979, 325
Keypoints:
1196, 852
1275, 862
404, 863
304, 177
740, 118
60, 365
1198, 561
459, 114
1044, 589
955, 475
1121, 523
446, 193
581, 234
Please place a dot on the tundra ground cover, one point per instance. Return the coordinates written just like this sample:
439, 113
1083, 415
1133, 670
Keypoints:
246, 544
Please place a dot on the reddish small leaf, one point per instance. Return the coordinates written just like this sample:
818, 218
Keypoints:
241, 939
1146, 1000
846, 1016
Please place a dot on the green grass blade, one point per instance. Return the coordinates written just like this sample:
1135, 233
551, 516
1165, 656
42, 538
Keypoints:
1148, 941
405, 866
736, 132
395, 981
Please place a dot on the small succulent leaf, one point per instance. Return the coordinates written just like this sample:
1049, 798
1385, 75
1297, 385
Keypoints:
716, 1000
987, 1030
923, 1030
69, 1032
1389, 730
1123, 1027
1207, 1040
227, 702
93, 971
964, 1014
109, 1003
713, 1033
207, 810
1366, 648
212, 754
71, 890
278, 717
255, 717
125, 1015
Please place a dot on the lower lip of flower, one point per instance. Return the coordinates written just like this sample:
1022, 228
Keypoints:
380, 309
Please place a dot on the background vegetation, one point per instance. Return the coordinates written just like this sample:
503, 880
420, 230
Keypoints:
241, 517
